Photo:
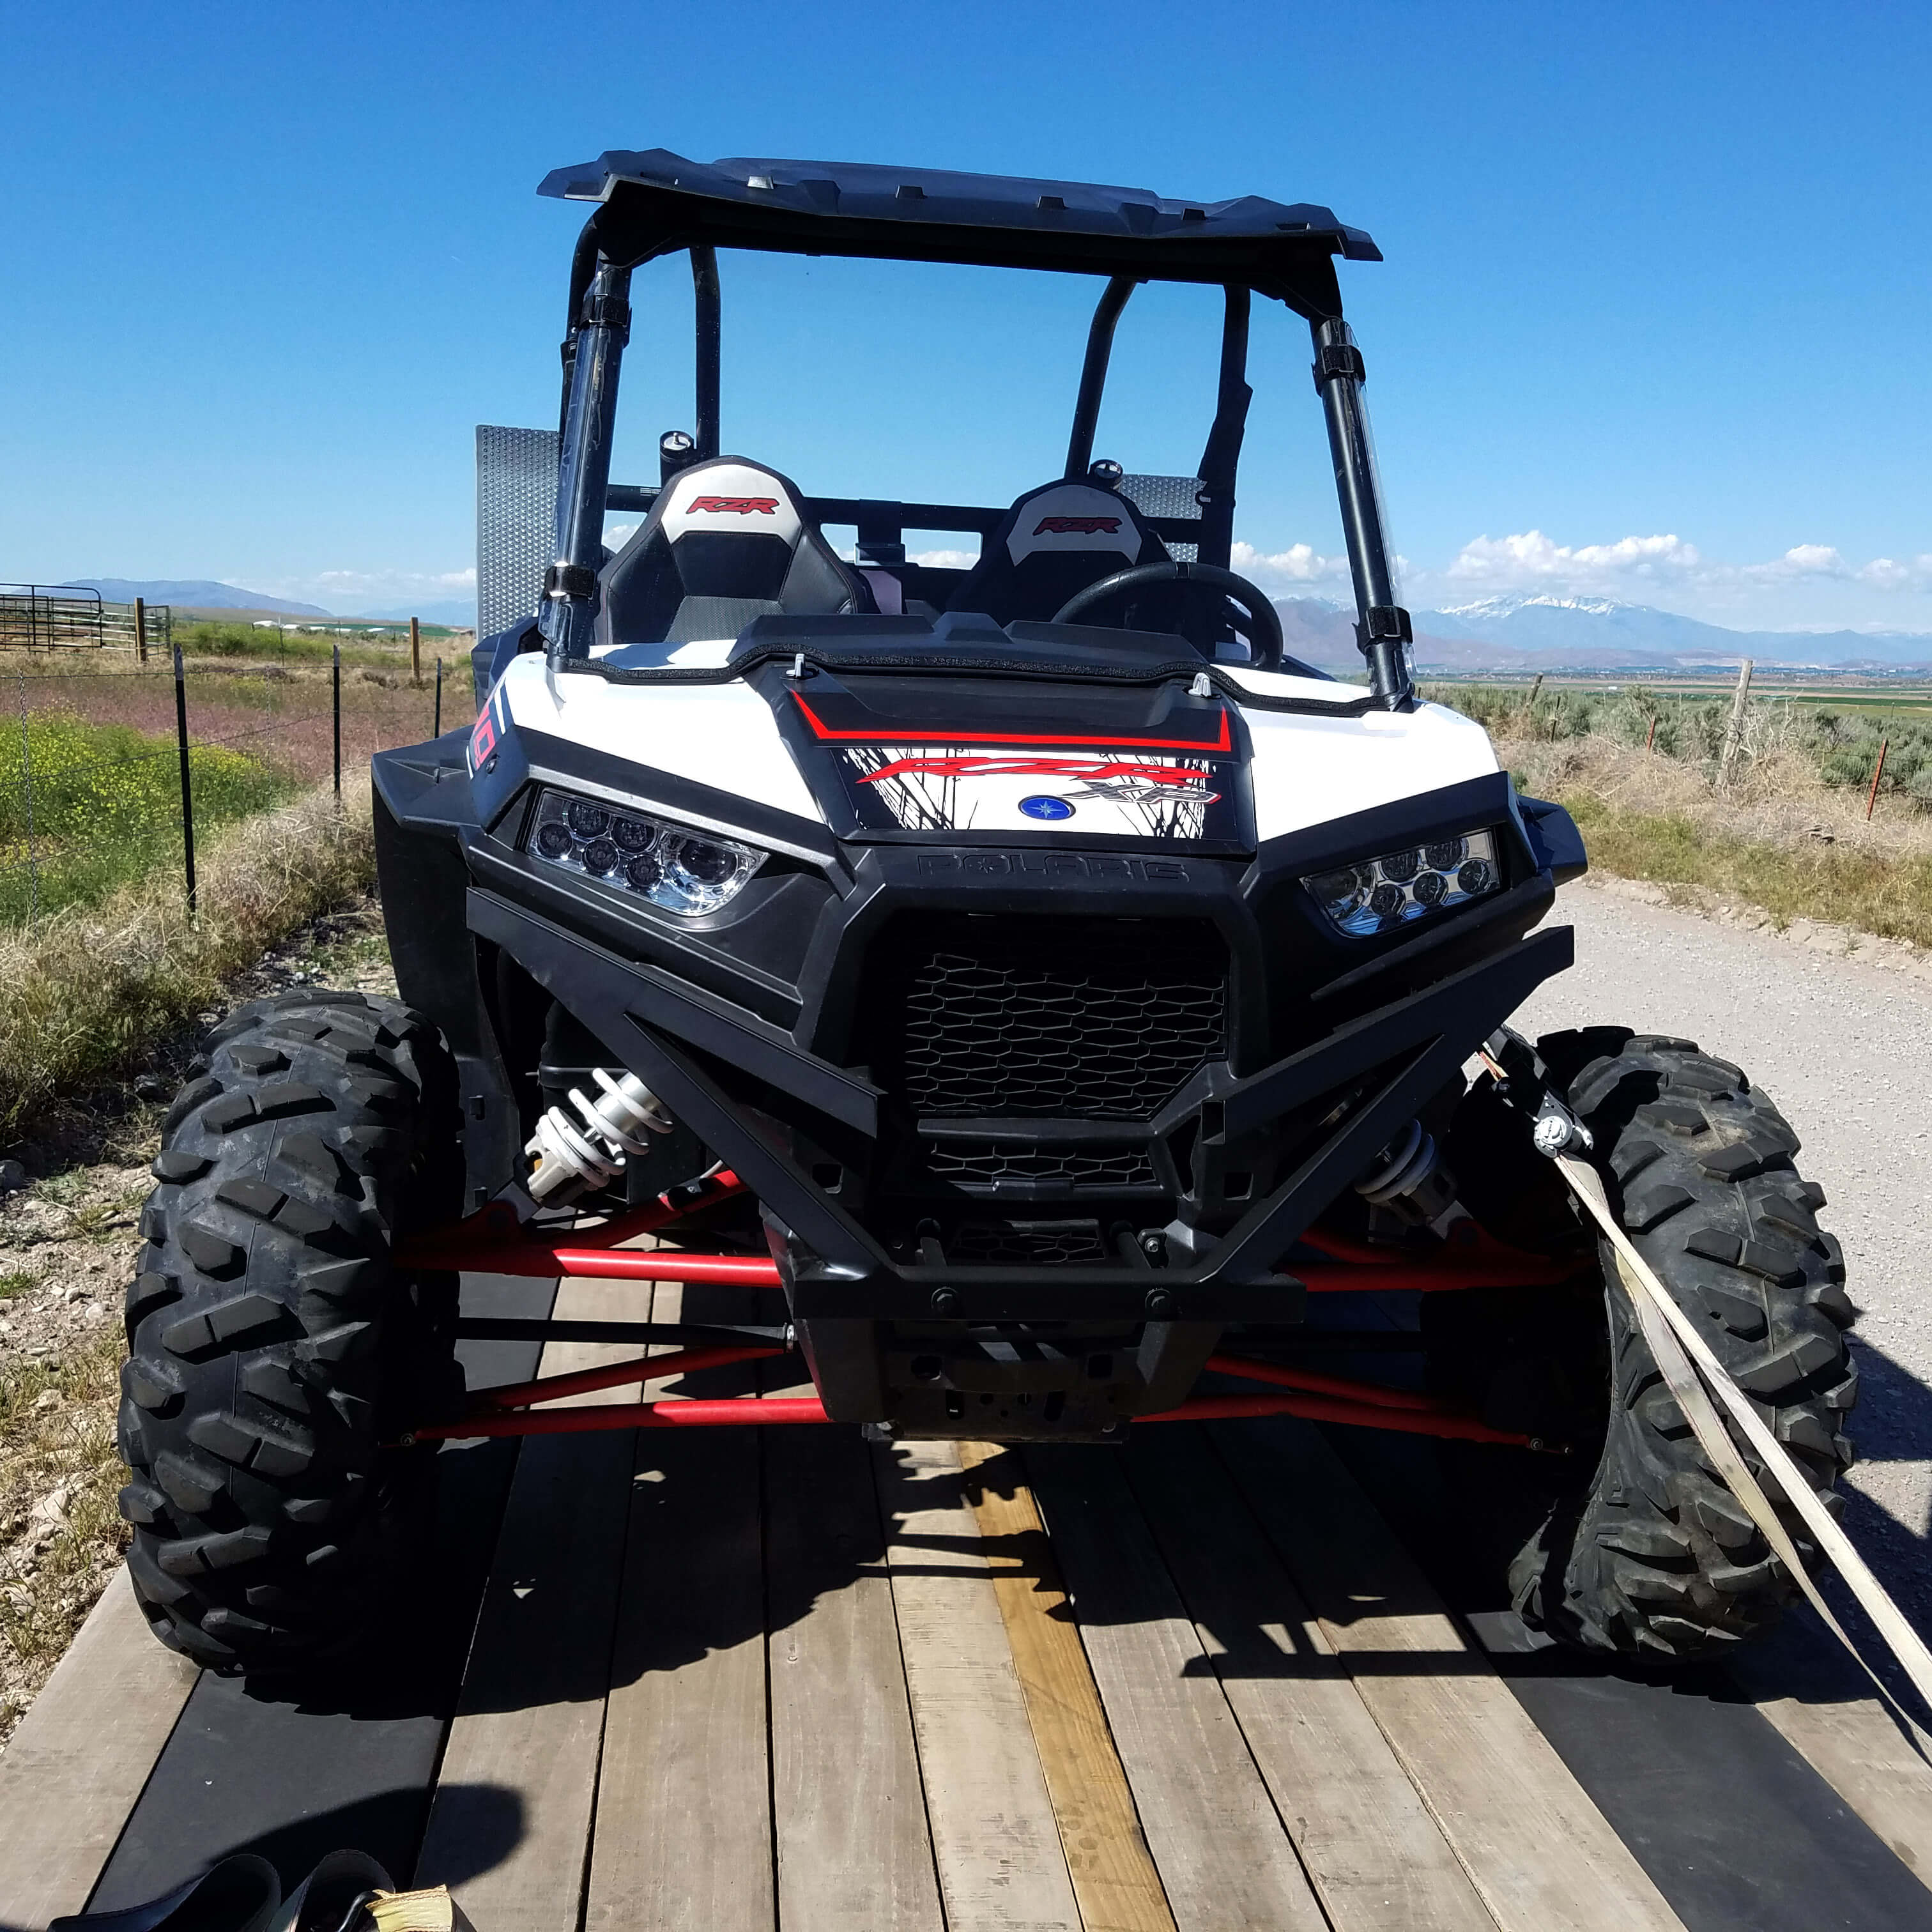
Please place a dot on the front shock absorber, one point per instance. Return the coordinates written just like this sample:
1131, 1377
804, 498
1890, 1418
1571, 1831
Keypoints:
1407, 1179
572, 1156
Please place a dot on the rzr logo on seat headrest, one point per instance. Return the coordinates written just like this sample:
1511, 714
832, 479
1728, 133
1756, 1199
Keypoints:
736, 506
1085, 526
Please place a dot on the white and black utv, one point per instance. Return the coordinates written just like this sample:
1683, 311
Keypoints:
1048, 992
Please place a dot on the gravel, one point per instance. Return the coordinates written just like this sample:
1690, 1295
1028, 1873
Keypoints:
1845, 1049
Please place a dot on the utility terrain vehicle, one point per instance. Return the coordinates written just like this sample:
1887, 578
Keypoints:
1064, 1005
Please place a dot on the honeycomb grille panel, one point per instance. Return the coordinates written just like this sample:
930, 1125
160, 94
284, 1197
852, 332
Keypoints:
1073, 1018
986, 1163
1017, 1244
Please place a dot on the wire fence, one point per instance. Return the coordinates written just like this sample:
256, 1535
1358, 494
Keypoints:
110, 768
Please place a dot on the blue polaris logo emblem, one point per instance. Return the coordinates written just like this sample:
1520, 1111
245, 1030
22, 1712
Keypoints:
1040, 806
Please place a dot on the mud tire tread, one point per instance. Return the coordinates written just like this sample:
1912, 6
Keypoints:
272, 1347
1654, 1558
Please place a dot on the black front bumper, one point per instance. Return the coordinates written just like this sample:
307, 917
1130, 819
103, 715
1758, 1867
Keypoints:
1405, 1051
749, 1027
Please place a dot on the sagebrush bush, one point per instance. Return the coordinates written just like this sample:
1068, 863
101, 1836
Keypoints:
1840, 743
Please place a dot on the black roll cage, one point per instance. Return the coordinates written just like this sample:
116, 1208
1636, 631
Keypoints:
636, 223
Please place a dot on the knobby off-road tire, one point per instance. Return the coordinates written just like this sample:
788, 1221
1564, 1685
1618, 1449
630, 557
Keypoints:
1655, 1556
272, 1346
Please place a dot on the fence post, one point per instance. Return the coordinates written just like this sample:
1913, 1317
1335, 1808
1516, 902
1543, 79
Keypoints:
140, 630
27, 781
1872, 798
1650, 742
188, 793
1734, 737
415, 654
335, 681
435, 730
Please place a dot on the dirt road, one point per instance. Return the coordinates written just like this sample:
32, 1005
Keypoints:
1846, 1051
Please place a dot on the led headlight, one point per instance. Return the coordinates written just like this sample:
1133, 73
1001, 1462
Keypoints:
677, 871
1382, 893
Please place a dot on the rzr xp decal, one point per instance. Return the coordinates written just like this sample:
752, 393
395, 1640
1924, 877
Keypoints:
734, 506
1126, 780
1087, 527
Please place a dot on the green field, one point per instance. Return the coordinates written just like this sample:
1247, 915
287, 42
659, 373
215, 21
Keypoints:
376, 646
102, 804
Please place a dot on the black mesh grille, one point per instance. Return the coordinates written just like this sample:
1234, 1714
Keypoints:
1024, 1243
984, 1163
1071, 1018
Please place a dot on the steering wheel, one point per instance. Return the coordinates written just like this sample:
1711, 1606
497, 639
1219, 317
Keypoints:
1263, 622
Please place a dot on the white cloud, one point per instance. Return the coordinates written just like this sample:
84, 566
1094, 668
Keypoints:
323, 586
1885, 573
1299, 564
943, 559
1532, 559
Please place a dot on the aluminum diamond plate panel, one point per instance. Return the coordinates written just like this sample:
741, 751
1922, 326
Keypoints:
1167, 496
516, 522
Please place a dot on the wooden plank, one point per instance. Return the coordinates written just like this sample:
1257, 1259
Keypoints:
530, 1720
684, 1833
1540, 1852
1378, 1862
1816, 1703
995, 1840
1224, 1859
1115, 1882
848, 1809
74, 1770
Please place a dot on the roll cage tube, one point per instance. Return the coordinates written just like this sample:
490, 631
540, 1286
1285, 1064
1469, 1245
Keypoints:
593, 352
1093, 375
710, 334
1383, 630
583, 463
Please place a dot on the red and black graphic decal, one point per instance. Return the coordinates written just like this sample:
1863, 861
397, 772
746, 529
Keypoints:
734, 506
1086, 526
959, 765
900, 734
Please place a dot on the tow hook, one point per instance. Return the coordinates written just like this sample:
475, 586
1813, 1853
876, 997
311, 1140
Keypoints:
1523, 1083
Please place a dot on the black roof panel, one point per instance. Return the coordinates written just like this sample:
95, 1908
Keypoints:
859, 208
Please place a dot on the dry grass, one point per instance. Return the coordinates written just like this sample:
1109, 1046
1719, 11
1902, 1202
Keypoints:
86, 995
60, 1534
1778, 838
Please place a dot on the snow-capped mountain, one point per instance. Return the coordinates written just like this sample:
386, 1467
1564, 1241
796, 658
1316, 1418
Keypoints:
1541, 631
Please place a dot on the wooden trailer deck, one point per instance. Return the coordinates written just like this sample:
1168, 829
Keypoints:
1230, 1677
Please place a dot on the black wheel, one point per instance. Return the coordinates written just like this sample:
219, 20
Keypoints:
272, 1347
1652, 1556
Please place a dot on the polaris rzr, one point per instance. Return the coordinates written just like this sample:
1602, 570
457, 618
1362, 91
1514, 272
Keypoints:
1075, 1013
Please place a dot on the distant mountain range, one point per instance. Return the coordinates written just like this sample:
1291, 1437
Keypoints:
199, 595
193, 596
1542, 632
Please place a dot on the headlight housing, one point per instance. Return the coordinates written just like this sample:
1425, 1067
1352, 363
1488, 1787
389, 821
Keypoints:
1378, 895
676, 870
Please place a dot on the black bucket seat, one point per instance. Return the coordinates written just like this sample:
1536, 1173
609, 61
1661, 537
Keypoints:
726, 541
1056, 540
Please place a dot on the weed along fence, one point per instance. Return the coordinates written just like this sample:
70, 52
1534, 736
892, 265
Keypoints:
111, 768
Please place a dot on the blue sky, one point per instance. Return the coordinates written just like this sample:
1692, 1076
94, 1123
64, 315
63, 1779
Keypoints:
1653, 322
